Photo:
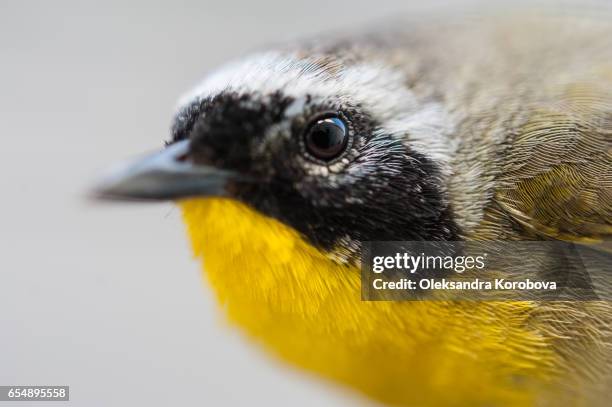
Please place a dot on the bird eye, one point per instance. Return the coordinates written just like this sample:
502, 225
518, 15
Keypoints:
326, 138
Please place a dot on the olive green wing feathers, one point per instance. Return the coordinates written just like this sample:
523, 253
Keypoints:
557, 175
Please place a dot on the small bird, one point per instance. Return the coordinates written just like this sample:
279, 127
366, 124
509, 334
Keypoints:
443, 129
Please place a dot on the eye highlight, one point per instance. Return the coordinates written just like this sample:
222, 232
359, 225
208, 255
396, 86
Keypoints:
326, 137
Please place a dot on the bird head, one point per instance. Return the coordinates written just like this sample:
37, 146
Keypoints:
285, 165
341, 151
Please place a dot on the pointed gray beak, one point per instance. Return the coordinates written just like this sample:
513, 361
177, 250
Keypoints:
163, 176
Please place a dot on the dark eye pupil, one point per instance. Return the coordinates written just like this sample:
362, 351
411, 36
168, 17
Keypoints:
326, 138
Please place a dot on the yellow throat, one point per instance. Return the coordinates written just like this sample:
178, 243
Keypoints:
306, 308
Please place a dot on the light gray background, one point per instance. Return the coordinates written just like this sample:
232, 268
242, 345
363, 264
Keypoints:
107, 299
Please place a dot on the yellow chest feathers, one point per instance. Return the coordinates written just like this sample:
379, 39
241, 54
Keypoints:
306, 309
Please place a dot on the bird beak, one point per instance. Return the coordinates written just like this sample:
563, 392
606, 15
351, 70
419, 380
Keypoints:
166, 175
